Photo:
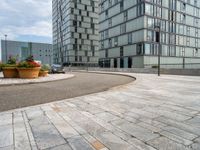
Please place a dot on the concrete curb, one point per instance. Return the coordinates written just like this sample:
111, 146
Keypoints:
111, 73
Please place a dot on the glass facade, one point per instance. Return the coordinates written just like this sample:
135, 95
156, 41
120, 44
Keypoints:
131, 26
75, 32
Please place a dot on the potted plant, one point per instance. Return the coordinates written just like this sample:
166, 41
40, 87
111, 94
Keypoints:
44, 70
29, 68
9, 69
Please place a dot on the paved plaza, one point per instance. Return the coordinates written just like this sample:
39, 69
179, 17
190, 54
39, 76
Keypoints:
147, 114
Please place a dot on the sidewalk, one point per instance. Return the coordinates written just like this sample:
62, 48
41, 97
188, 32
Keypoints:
147, 114
18, 81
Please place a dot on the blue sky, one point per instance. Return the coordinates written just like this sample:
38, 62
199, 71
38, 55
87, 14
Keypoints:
26, 20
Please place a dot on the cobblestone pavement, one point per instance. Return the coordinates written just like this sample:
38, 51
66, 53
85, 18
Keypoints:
50, 77
150, 113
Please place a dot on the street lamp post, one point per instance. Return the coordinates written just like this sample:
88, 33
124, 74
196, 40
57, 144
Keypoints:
157, 28
6, 47
87, 65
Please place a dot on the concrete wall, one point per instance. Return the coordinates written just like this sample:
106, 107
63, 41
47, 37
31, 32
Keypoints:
190, 72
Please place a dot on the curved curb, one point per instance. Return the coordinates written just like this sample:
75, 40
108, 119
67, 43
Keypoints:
37, 82
112, 73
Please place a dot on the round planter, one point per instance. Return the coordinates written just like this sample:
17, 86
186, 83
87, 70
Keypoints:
28, 73
10, 72
43, 73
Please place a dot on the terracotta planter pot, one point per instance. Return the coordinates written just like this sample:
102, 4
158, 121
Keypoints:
10, 72
43, 73
28, 73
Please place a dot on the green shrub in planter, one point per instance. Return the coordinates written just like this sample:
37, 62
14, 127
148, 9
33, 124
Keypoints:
44, 70
45, 67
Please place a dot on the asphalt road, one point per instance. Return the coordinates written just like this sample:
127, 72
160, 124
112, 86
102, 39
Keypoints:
18, 96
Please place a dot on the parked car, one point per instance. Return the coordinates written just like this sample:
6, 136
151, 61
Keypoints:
56, 68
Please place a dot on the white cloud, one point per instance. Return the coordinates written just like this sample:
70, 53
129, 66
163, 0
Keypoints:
25, 17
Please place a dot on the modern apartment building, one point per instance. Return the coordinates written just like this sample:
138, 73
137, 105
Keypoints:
41, 51
129, 33
75, 32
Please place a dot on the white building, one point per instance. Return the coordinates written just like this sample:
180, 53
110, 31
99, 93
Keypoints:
128, 33
41, 51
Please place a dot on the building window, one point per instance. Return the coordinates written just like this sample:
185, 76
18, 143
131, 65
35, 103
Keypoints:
110, 22
93, 53
183, 6
172, 15
80, 58
125, 16
121, 6
182, 51
123, 28
195, 52
149, 9
106, 53
196, 32
121, 51
147, 49
116, 41
140, 9
130, 38
106, 34
150, 36
102, 6
102, 44
139, 49
159, 2
102, 35
106, 14
75, 23
110, 42
86, 53
172, 51
188, 30
92, 25
150, 23
72, 11
182, 18
110, 3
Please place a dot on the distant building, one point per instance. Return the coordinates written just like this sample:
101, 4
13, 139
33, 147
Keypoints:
128, 33
41, 51
75, 32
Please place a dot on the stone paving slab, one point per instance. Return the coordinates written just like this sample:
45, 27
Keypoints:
17, 81
152, 113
